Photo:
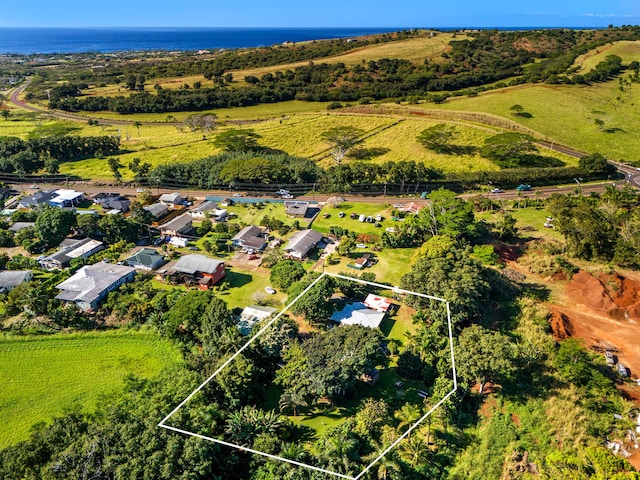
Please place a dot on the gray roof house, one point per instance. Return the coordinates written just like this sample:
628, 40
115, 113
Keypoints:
301, 243
10, 279
146, 259
296, 208
103, 198
17, 226
157, 210
38, 198
120, 204
71, 248
198, 268
250, 237
172, 199
178, 226
203, 209
92, 283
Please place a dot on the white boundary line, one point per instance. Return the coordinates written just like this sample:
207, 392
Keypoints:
254, 337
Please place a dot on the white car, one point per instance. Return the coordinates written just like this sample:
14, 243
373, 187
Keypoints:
237, 195
361, 245
497, 190
34, 187
282, 191
269, 290
139, 190
287, 196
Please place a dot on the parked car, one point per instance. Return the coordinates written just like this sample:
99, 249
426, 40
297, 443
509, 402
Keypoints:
269, 290
341, 214
497, 190
287, 196
34, 187
282, 191
361, 245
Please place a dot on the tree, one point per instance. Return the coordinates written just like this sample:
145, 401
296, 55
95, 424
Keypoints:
119, 228
509, 149
115, 166
446, 214
346, 246
54, 224
87, 225
313, 305
516, 109
593, 164
137, 124
438, 138
237, 140
285, 273
340, 140
483, 356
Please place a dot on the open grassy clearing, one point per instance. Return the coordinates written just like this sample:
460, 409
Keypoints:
44, 375
246, 287
567, 114
322, 224
625, 49
400, 143
529, 222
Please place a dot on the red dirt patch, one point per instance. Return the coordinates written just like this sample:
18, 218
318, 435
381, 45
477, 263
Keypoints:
507, 253
560, 326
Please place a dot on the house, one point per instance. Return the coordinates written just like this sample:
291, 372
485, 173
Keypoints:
179, 242
37, 199
199, 269
17, 226
411, 207
121, 205
71, 248
301, 243
250, 238
203, 210
296, 208
66, 198
157, 210
178, 226
91, 284
226, 202
252, 315
358, 314
103, 198
172, 199
10, 279
363, 262
377, 303
146, 259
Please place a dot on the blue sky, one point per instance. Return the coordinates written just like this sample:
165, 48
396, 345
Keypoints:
326, 13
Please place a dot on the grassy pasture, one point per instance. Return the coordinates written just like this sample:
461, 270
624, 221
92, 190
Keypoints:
567, 114
44, 375
625, 49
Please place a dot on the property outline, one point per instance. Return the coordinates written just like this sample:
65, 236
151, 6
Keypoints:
264, 328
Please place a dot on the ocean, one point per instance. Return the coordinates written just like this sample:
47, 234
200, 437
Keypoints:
76, 40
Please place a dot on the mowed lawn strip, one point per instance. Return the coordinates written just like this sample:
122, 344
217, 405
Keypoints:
42, 376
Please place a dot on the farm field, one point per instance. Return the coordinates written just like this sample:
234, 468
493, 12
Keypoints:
42, 376
567, 114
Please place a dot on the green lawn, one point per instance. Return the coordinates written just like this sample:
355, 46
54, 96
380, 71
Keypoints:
246, 286
529, 221
42, 376
322, 224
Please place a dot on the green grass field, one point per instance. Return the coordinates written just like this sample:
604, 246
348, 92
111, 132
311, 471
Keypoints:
627, 50
567, 114
42, 376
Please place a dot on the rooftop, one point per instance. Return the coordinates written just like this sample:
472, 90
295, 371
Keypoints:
197, 263
12, 278
303, 241
358, 314
179, 223
91, 281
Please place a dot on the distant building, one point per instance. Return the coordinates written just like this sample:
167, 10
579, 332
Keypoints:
66, 198
252, 315
17, 226
296, 208
157, 210
180, 225
227, 202
121, 205
250, 237
411, 207
301, 243
70, 249
92, 283
172, 199
198, 269
203, 210
358, 314
104, 198
35, 200
10, 279
179, 242
146, 259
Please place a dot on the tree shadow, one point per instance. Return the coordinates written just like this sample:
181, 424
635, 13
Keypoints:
361, 153
461, 150
236, 279
614, 130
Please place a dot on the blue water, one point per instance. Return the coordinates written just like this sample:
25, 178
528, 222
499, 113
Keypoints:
74, 40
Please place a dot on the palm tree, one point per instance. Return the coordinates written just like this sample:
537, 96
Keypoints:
137, 124
386, 467
408, 415
293, 400
414, 451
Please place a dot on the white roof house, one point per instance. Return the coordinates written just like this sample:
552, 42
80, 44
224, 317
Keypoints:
66, 198
377, 303
172, 199
358, 314
251, 315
